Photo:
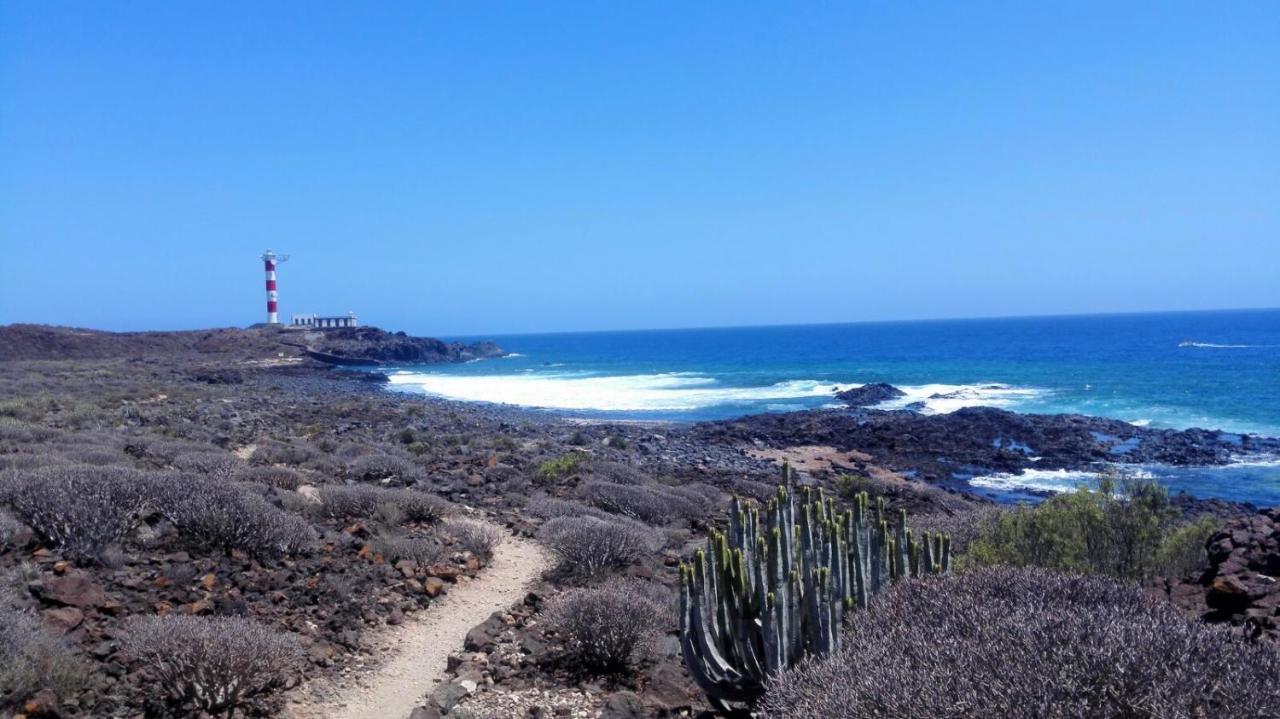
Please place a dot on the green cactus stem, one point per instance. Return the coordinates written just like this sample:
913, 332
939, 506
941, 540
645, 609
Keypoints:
775, 587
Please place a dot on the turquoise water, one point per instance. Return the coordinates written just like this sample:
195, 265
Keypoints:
1218, 370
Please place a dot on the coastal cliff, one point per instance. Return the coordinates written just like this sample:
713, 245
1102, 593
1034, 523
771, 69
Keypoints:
370, 345
359, 346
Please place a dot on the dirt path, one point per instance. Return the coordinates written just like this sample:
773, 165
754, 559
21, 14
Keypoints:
419, 649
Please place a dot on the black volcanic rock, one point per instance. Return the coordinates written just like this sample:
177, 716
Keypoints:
370, 345
1239, 585
985, 439
869, 394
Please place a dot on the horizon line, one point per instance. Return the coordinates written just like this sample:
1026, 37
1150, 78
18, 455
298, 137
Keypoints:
698, 328
837, 323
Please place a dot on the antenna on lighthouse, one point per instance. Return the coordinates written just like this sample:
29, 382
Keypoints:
269, 262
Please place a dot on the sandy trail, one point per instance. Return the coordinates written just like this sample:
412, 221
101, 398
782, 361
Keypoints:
419, 649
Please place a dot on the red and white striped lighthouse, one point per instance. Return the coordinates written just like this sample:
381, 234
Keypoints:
269, 262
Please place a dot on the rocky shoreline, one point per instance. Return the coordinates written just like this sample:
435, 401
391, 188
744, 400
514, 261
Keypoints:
226, 403
983, 439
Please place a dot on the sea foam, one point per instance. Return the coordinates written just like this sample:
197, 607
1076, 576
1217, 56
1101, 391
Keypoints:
665, 392
947, 398
1044, 480
685, 392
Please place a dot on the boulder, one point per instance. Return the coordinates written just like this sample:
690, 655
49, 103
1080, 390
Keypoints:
433, 586
63, 619
72, 590
1241, 586
869, 394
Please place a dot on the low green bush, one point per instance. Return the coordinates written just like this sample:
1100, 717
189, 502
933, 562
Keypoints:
1124, 528
560, 467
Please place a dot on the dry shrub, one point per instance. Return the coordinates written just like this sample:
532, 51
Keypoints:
383, 468
288, 454
21, 462
80, 510
1029, 643
161, 451
759, 491
702, 493
214, 664
617, 473
10, 530
98, 456
278, 477
221, 514
648, 503
476, 537
31, 660
586, 546
608, 626
419, 506
360, 501
544, 507
215, 465
963, 527
422, 550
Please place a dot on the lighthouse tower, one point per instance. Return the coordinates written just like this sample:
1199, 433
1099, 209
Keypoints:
269, 262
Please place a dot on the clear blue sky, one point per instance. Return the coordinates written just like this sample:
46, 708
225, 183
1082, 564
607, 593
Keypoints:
469, 168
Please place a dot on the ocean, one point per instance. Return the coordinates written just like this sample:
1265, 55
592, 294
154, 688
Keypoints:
1216, 370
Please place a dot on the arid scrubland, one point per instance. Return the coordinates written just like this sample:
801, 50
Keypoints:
212, 531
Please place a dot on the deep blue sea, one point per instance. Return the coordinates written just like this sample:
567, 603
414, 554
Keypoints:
1218, 370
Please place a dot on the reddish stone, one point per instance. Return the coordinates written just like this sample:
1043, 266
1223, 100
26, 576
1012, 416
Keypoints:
113, 608
433, 586
201, 607
43, 704
74, 590
63, 619
445, 572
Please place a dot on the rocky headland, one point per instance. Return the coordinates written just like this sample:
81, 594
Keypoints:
261, 343
373, 346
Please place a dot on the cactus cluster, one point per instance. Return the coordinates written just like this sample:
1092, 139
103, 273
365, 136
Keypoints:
775, 588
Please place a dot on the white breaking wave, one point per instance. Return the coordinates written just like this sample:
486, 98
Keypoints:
1050, 480
947, 398
1255, 460
1045, 480
683, 391
636, 393
1213, 346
